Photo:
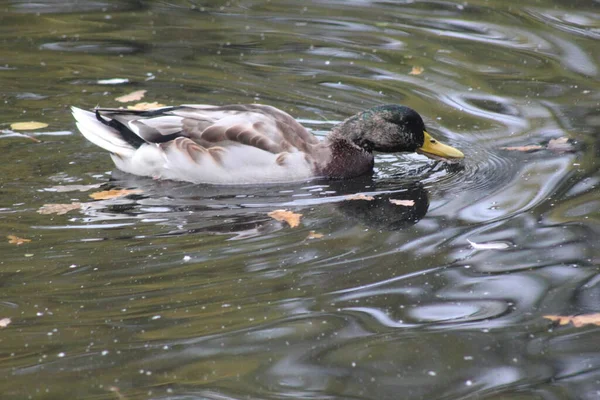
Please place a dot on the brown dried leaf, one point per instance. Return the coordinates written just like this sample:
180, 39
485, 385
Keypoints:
360, 196
4, 322
111, 194
525, 149
133, 96
577, 320
560, 145
314, 235
292, 219
12, 239
416, 70
27, 126
59, 209
407, 203
145, 106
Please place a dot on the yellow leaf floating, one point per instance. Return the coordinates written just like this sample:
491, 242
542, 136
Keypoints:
111, 194
292, 219
12, 239
27, 126
360, 196
406, 203
416, 70
133, 96
314, 235
577, 321
58, 209
145, 106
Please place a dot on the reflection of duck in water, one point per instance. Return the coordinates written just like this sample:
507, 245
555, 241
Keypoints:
251, 143
242, 210
387, 206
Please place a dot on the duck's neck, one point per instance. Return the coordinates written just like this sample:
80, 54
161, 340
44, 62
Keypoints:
355, 130
347, 158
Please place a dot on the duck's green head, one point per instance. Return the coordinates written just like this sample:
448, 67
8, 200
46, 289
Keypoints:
395, 128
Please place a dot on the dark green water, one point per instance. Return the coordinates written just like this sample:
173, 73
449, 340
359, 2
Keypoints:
193, 292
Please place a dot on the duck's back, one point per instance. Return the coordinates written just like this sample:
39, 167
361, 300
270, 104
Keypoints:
205, 144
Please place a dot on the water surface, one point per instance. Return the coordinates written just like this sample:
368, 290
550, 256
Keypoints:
189, 291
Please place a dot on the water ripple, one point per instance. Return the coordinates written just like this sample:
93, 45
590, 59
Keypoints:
89, 47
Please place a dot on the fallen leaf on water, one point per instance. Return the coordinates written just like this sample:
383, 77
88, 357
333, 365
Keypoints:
111, 194
416, 70
360, 196
133, 96
4, 322
525, 149
489, 245
577, 320
291, 218
145, 106
407, 203
560, 145
27, 126
12, 239
314, 235
58, 209
72, 188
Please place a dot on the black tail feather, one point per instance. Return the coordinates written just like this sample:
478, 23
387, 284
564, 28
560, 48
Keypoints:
126, 133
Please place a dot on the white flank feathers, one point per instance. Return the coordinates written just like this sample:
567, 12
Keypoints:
100, 134
236, 163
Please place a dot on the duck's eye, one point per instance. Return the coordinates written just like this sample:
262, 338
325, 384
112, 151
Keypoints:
432, 141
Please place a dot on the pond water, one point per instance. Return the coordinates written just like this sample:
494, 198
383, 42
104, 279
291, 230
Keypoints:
184, 291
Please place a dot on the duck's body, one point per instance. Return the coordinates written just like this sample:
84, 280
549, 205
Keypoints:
245, 144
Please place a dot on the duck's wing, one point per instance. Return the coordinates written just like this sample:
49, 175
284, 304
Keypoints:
201, 143
260, 126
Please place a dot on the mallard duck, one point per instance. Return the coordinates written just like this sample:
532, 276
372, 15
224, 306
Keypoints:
244, 144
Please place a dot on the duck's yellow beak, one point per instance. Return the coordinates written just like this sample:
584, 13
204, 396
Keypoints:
432, 147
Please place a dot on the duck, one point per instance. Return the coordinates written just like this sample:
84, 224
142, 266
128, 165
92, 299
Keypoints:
252, 143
